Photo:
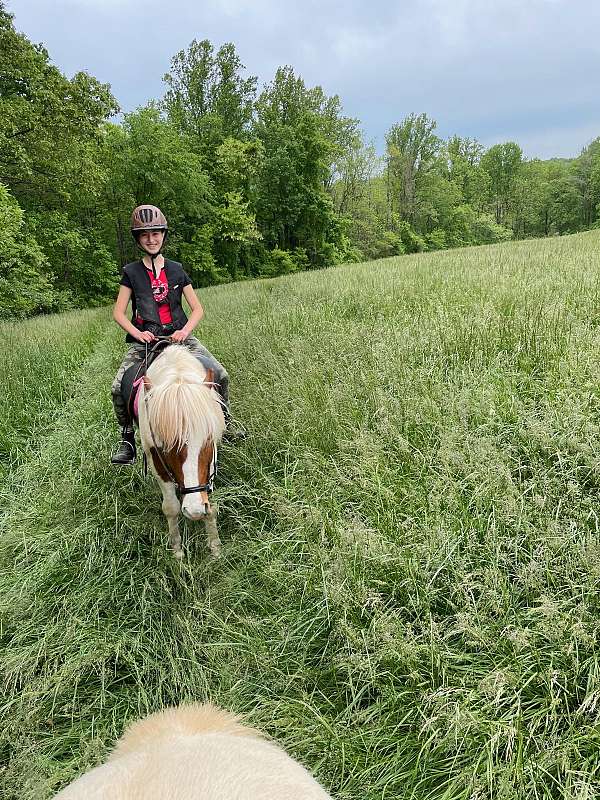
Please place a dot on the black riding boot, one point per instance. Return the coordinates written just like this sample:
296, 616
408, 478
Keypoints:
125, 454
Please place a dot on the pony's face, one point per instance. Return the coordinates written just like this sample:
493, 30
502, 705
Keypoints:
196, 472
191, 466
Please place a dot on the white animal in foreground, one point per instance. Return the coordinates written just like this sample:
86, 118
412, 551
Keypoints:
195, 752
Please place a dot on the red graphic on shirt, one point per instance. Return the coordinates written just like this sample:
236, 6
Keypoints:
160, 290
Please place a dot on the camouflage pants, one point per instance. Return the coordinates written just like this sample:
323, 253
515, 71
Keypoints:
137, 353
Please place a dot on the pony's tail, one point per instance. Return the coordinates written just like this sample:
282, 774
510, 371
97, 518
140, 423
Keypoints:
185, 720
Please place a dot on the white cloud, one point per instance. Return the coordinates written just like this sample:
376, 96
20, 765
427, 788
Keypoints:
494, 69
103, 5
565, 141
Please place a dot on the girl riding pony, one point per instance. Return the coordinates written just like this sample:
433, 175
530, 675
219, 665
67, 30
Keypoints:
155, 285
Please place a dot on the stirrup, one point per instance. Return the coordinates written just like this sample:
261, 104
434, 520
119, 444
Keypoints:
126, 453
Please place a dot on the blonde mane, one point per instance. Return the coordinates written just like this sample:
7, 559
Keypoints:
181, 408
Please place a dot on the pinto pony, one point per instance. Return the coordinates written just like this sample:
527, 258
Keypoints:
181, 422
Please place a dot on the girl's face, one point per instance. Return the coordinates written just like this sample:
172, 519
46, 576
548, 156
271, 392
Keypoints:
151, 241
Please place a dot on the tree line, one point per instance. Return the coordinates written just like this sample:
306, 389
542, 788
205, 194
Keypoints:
253, 183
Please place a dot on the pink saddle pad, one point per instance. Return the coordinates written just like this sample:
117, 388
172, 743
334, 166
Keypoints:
136, 396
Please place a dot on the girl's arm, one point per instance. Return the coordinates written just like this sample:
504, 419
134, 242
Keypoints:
119, 317
195, 316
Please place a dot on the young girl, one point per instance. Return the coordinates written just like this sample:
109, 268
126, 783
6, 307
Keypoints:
155, 286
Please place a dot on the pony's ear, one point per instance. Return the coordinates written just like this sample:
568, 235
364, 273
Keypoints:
147, 384
210, 375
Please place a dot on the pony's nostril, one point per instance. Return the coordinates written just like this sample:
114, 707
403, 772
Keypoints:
196, 513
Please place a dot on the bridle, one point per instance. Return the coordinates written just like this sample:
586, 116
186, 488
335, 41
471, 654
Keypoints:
182, 488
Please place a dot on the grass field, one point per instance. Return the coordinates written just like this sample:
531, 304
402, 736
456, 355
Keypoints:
37, 361
408, 598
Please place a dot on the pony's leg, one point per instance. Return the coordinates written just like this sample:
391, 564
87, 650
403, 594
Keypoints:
210, 525
171, 508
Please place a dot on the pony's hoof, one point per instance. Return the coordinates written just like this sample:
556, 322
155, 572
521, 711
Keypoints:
178, 555
215, 553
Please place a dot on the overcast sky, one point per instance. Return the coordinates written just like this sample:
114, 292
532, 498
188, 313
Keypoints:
524, 70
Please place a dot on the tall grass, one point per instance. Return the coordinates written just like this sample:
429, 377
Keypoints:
37, 360
408, 596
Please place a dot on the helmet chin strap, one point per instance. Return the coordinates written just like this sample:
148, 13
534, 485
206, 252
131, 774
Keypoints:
153, 256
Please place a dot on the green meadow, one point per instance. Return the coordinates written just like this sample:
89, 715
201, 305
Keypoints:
408, 598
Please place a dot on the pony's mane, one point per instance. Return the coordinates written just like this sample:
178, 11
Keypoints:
181, 408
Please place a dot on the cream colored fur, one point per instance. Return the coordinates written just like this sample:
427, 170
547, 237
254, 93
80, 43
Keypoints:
196, 752
181, 407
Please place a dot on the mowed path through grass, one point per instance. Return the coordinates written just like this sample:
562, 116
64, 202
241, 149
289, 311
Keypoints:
408, 595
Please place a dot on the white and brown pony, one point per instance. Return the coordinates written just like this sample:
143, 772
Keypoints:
181, 423
196, 752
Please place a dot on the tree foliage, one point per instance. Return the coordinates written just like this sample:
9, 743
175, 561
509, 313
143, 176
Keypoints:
25, 282
207, 96
304, 135
252, 183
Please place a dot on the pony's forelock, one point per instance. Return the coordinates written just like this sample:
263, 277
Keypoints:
182, 409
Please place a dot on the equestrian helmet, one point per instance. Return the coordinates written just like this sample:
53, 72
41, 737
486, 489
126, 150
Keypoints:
147, 218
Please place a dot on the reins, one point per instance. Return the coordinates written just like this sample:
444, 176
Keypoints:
161, 343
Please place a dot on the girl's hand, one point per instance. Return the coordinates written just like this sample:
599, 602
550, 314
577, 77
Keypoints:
179, 336
145, 336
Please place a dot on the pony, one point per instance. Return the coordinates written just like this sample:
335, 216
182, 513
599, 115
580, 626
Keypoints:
181, 423
191, 752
